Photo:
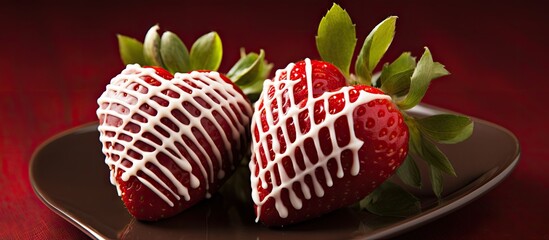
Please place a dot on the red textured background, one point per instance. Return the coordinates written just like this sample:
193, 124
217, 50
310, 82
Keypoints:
55, 60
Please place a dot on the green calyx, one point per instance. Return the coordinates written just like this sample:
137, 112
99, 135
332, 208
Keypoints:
406, 81
166, 50
250, 72
336, 38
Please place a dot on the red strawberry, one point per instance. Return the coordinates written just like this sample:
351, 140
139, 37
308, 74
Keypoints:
171, 141
326, 150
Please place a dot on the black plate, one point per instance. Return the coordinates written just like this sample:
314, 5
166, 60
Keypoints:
69, 175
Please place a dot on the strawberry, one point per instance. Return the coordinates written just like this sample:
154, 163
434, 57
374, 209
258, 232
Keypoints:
325, 151
324, 138
171, 139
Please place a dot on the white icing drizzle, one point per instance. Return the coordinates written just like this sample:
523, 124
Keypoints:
131, 91
275, 165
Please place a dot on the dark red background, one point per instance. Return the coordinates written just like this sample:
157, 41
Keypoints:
55, 60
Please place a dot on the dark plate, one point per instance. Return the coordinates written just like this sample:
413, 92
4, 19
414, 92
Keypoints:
69, 175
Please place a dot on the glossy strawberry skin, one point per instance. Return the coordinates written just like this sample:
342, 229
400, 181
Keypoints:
325, 77
378, 123
142, 202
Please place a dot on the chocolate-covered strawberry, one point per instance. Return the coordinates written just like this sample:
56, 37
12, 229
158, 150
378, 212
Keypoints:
325, 151
171, 141
323, 138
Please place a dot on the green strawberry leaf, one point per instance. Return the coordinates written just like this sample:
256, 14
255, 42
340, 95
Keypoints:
425, 72
250, 72
409, 173
247, 68
395, 77
174, 53
446, 128
420, 145
151, 47
436, 180
374, 47
253, 91
264, 71
336, 38
389, 199
206, 52
415, 135
131, 50
436, 158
